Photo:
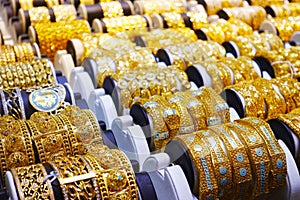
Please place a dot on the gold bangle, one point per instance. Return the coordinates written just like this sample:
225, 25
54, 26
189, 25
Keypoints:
125, 23
98, 171
160, 131
258, 155
111, 9
288, 91
195, 109
225, 72
275, 102
254, 107
39, 15
47, 137
54, 36
186, 121
221, 163
85, 126
76, 178
171, 117
212, 116
239, 160
201, 156
16, 148
64, 12
76, 146
277, 155
93, 120
116, 178
30, 182
173, 20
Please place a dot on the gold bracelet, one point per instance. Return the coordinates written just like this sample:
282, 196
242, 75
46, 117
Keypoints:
30, 182
98, 171
173, 20
239, 160
274, 101
28, 51
171, 117
39, 15
217, 82
224, 71
258, 155
160, 131
76, 178
111, 9
214, 32
195, 109
50, 141
221, 163
54, 36
277, 155
16, 148
186, 121
64, 12
206, 98
288, 91
93, 120
201, 157
254, 107
76, 146
85, 126
117, 178
125, 23
220, 106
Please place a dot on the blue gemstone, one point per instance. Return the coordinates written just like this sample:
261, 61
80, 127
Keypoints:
210, 198
279, 164
223, 181
243, 172
197, 147
259, 152
255, 120
252, 138
223, 170
205, 133
191, 139
240, 157
279, 177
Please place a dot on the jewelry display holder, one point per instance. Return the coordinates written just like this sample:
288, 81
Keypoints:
130, 138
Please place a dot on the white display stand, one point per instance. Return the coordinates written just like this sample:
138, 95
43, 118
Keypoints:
296, 38
5, 30
81, 82
131, 140
64, 62
104, 107
170, 183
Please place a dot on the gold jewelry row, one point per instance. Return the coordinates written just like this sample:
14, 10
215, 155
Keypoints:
183, 112
82, 176
54, 36
71, 132
239, 160
146, 82
26, 74
262, 100
16, 53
